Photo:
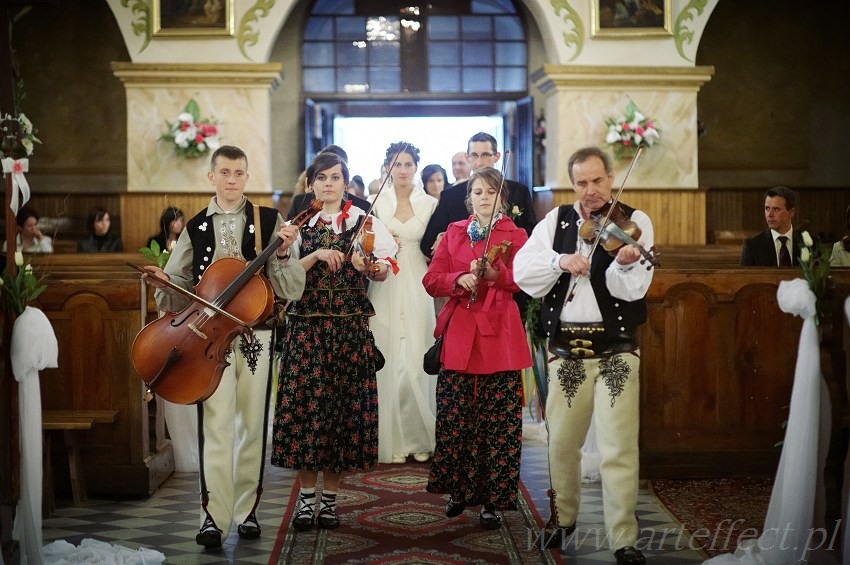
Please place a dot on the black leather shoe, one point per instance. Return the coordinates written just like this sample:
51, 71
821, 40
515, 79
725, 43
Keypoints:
629, 556
488, 518
454, 508
249, 529
556, 538
209, 536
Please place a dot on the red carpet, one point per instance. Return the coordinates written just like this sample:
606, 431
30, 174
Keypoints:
725, 508
388, 517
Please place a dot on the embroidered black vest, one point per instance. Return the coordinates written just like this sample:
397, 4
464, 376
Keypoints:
618, 316
202, 233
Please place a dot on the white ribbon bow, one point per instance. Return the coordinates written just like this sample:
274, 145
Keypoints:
19, 182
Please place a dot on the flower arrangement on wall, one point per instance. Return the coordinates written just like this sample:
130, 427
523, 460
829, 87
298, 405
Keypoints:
630, 131
191, 135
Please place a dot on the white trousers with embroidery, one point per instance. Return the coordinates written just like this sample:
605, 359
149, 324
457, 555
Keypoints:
233, 436
607, 390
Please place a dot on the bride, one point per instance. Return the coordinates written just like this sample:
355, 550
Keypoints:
403, 324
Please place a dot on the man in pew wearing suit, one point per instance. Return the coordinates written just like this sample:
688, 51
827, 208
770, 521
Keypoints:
780, 244
301, 202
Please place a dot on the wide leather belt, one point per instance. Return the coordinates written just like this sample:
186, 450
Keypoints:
588, 340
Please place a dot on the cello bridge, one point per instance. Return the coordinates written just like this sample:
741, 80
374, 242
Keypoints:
198, 332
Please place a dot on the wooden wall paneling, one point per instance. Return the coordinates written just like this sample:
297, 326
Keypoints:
678, 216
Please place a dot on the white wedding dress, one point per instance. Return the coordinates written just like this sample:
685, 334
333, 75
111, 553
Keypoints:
403, 327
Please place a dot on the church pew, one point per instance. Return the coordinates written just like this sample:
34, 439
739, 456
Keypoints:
95, 317
717, 367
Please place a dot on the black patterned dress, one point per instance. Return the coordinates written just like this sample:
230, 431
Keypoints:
326, 416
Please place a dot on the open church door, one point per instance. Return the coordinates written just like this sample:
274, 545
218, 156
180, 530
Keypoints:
318, 128
518, 135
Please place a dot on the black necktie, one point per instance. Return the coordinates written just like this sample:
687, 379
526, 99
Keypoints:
784, 254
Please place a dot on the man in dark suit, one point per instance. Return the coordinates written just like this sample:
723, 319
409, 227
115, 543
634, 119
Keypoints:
780, 244
301, 202
482, 152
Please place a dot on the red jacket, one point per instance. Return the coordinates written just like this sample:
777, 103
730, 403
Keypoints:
488, 337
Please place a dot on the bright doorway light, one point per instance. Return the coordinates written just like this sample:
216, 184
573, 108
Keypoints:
366, 139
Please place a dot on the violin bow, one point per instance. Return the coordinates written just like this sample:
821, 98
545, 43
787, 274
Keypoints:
354, 239
482, 264
571, 294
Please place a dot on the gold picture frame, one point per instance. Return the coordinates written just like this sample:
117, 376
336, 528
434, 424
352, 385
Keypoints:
631, 18
192, 18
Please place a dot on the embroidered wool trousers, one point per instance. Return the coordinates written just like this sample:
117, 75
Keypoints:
233, 433
608, 390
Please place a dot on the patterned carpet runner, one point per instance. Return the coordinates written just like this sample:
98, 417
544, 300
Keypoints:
388, 518
725, 508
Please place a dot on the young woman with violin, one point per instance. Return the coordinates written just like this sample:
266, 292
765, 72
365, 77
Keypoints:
479, 388
326, 416
404, 318
232, 420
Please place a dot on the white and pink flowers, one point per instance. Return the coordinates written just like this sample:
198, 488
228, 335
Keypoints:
192, 136
631, 130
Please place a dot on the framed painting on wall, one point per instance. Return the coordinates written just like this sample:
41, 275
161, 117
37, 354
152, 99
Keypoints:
629, 18
192, 17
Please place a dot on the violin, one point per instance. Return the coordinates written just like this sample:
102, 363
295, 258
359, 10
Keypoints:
614, 230
501, 252
366, 246
181, 356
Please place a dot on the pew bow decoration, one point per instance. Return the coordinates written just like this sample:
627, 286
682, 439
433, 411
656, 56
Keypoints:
17, 168
17, 141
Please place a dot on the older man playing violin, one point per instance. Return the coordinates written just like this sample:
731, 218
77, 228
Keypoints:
592, 334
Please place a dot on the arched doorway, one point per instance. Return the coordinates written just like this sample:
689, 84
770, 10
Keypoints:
362, 59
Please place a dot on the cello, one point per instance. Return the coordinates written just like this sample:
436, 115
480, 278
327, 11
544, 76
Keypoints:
181, 356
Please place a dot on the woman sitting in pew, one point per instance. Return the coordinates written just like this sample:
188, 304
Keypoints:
100, 240
30, 239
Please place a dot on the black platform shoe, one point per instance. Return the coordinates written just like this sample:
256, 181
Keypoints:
488, 517
249, 529
305, 518
209, 536
328, 519
454, 507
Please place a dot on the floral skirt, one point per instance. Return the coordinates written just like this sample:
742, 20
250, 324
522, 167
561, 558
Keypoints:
326, 414
479, 438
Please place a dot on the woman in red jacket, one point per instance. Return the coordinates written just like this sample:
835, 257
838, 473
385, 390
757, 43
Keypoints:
479, 389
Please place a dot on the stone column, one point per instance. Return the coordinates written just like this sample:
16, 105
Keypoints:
236, 96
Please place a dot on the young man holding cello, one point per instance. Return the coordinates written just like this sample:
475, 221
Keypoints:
232, 421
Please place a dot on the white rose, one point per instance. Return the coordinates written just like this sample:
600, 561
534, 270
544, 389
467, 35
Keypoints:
186, 117
807, 239
805, 255
612, 137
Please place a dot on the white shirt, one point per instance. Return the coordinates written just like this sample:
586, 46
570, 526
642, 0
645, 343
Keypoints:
385, 245
536, 269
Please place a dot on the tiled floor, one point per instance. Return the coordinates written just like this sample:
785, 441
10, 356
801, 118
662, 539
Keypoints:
168, 520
